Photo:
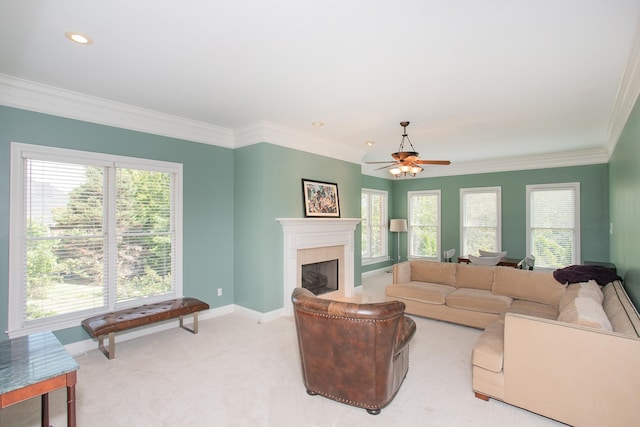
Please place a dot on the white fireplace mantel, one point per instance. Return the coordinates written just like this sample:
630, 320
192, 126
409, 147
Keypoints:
306, 233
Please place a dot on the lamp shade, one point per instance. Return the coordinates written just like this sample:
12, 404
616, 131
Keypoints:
398, 225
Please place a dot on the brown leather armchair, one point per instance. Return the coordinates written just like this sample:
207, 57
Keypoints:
356, 354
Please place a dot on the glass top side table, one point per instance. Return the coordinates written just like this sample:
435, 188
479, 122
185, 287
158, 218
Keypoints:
35, 365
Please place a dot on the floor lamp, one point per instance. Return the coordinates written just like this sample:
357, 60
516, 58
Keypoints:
398, 226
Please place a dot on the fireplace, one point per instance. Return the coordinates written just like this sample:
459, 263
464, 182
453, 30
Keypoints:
317, 240
320, 277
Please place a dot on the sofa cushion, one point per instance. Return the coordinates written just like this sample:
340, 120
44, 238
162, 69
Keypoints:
478, 300
432, 293
586, 312
434, 272
474, 276
488, 353
535, 309
588, 289
620, 311
536, 286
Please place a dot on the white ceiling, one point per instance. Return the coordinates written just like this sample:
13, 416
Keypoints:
485, 84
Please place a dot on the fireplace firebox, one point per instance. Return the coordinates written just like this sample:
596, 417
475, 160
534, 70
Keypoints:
320, 277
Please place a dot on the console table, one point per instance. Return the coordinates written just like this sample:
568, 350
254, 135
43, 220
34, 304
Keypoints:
35, 365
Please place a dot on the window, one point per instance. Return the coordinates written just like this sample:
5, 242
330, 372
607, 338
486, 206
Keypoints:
374, 226
89, 233
480, 220
424, 223
553, 224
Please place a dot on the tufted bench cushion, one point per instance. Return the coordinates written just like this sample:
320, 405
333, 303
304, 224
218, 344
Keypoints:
121, 320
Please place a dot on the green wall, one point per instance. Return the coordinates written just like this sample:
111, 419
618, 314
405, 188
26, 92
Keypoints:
624, 206
268, 185
207, 197
233, 197
594, 221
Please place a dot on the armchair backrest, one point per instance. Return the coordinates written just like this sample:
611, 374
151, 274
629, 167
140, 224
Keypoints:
348, 349
484, 260
501, 254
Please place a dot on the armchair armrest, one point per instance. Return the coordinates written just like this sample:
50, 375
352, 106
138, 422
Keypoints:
407, 329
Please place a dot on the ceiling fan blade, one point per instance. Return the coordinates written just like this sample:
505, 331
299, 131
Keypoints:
386, 167
432, 162
373, 163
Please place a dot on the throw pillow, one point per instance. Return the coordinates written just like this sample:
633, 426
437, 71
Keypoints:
585, 311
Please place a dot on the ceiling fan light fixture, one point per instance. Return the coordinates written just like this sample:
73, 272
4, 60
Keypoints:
415, 170
407, 162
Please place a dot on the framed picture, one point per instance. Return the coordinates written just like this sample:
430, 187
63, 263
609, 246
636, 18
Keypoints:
320, 199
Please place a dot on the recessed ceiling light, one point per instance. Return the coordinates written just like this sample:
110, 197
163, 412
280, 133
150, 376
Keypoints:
370, 143
317, 124
78, 38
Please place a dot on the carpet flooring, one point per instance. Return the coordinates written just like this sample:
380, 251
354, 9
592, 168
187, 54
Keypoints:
237, 372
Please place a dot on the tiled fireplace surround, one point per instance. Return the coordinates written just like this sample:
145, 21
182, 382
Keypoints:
309, 240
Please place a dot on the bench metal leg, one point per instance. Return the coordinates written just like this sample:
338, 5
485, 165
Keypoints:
111, 353
195, 323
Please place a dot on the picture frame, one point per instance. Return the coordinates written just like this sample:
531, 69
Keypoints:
320, 199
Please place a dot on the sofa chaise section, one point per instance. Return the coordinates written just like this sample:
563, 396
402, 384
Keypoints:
576, 374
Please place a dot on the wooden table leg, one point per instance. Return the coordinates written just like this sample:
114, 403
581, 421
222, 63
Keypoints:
44, 410
71, 399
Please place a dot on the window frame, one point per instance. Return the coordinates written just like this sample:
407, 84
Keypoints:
384, 215
17, 241
575, 187
477, 190
438, 194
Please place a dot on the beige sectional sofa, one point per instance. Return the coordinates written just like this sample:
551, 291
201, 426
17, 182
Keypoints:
570, 353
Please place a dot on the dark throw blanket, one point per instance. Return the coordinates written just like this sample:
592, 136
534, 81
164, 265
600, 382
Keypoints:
584, 273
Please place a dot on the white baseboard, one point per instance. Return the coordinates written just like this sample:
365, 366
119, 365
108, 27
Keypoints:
260, 317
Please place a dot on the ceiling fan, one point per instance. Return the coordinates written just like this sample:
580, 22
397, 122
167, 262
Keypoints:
407, 162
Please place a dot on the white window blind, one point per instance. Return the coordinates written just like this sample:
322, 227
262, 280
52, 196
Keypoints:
145, 234
424, 223
374, 226
480, 220
66, 245
553, 224
91, 233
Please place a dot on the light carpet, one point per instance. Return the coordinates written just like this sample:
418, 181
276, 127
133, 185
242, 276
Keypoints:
236, 372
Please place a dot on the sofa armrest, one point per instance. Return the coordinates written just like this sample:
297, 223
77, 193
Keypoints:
574, 374
402, 272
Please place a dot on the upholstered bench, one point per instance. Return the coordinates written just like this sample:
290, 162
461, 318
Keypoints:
121, 320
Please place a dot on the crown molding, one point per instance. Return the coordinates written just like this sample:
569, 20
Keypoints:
28, 95
265, 131
542, 161
627, 95
32, 96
